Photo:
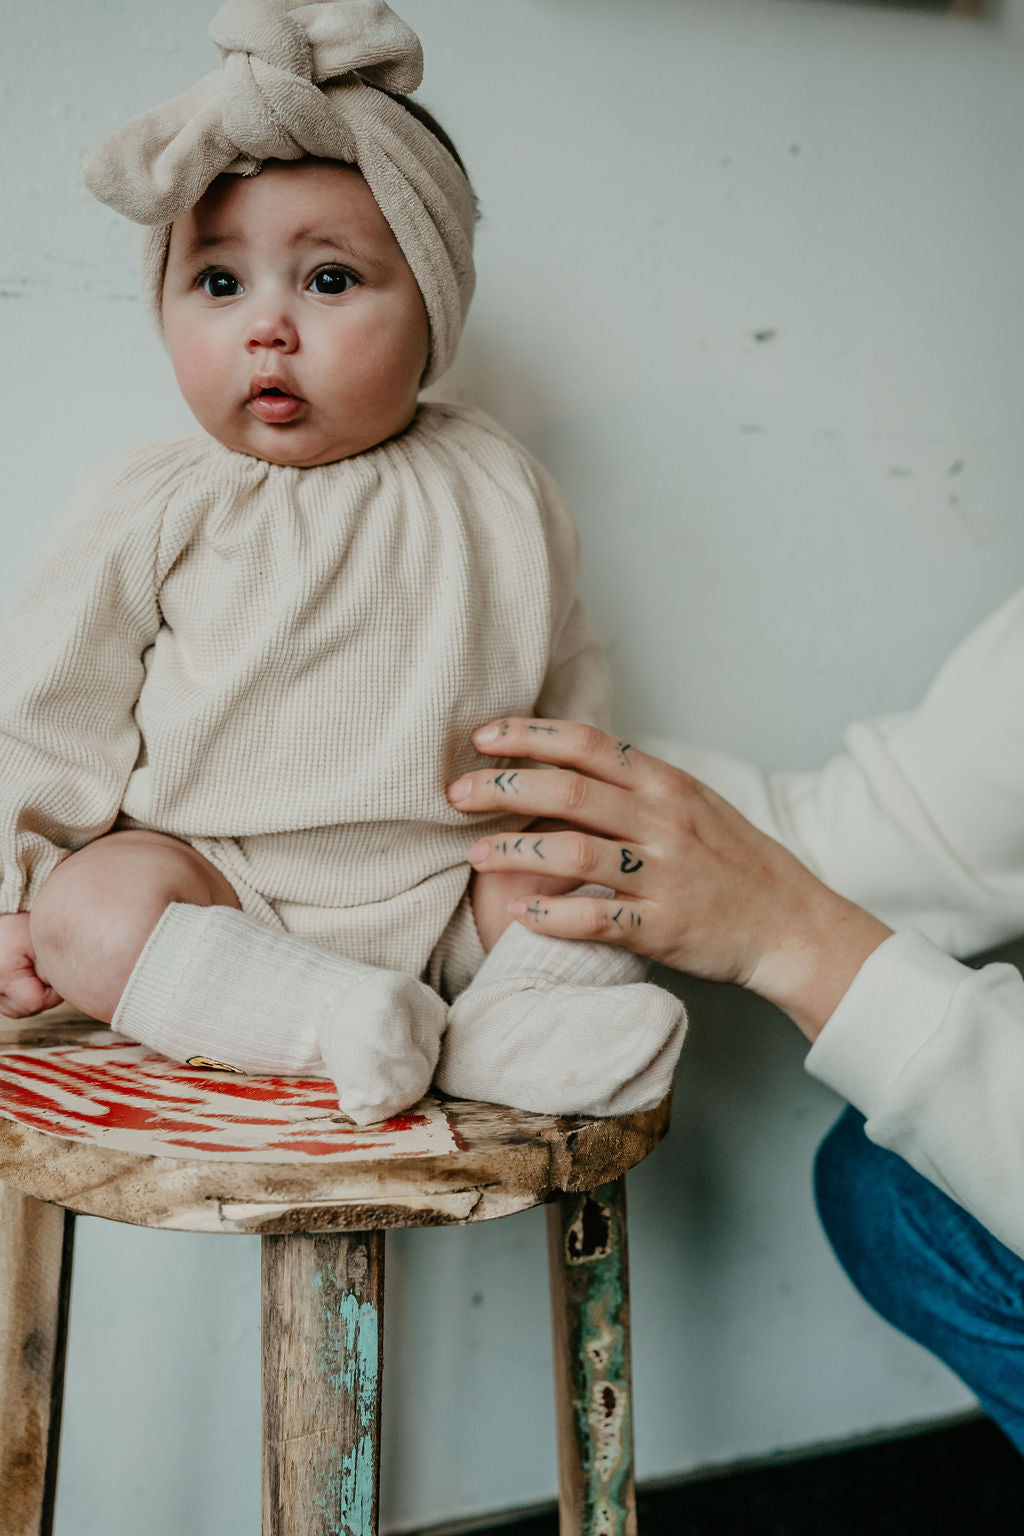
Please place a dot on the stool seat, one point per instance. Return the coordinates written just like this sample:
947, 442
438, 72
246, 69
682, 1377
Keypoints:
93, 1124
107, 1128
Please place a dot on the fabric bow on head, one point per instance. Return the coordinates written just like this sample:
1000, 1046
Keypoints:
301, 79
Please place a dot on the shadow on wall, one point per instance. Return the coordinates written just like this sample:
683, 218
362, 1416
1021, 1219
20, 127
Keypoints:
986, 9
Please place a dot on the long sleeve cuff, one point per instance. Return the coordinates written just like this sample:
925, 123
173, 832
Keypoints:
898, 1000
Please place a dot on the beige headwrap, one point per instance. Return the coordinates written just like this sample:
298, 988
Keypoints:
298, 79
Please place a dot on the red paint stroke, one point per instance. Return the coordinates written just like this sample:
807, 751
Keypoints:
322, 1148
107, 1092
59, 1074
273, 1090
133, 1077
404, 1122
110, 1113
203, 1115
457, 1136
28, 1099
206, 1146
130, 1117
217, 1117
45, 1123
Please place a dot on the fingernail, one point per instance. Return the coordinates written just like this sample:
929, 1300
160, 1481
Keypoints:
478, 853
517, 908
486, 733
460, 789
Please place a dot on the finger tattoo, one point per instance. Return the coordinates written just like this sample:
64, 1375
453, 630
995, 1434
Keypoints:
543, 730
625, 747
630, 864
537, 911
506, 782
621, 918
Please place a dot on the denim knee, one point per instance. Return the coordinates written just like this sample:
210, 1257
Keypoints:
853, 1192
901, 1239
926, 1265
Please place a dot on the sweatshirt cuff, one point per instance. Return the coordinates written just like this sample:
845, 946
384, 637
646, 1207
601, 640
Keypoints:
897, 1001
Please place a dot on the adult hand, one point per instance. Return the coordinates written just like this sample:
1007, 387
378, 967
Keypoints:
696, 886
22, 991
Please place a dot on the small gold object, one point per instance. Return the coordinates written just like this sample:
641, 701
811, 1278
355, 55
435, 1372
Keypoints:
213, 1066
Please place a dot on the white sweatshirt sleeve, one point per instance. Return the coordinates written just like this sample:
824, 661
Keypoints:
921, 821
932, 1054
71, 669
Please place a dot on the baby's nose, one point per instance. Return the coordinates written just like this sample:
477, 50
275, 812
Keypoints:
274, 331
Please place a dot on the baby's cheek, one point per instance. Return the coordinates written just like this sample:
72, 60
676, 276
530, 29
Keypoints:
198, 368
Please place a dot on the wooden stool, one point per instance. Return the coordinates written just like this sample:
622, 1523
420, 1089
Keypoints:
92, 1124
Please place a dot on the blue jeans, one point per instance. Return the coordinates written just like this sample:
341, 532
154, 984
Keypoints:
927, 1266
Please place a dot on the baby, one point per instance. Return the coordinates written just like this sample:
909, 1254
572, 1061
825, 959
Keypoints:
251, 660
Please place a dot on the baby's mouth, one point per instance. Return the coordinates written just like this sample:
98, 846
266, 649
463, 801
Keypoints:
274, 403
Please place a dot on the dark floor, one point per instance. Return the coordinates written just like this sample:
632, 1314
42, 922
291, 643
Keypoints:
962, 1481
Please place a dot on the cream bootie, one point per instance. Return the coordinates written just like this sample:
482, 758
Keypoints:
212, 983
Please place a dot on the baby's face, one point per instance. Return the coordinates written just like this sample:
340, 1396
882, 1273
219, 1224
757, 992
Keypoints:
294, 323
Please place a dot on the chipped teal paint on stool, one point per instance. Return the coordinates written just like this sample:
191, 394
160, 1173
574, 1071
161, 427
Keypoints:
91, 1124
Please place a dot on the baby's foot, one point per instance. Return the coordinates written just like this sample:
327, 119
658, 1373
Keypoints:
213, 985
380, 1044
561, 1048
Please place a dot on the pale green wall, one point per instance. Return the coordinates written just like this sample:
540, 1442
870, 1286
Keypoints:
777, 538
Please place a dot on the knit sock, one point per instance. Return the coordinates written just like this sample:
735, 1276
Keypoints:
561, 1028
214, 987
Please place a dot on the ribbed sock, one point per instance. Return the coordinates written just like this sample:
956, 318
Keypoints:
215, 985
561, 1028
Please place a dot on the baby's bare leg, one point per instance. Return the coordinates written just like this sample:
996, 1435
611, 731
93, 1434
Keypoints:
491, 893
92, 917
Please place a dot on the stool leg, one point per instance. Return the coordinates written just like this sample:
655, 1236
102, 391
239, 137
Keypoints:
323, 1298
593, 1392
36, 1243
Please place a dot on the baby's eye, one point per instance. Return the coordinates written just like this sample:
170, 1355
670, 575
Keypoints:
219, 284
331, 281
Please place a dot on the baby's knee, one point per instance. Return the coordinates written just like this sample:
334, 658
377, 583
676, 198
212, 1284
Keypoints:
93, 916
492, 891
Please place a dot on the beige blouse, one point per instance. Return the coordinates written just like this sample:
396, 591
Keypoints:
221, 648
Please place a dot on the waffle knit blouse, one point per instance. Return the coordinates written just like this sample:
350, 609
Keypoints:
284, 666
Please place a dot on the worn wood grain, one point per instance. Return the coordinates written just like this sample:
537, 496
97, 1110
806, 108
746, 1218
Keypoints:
35, 1279
501, 1161
589, 1268
323, 1300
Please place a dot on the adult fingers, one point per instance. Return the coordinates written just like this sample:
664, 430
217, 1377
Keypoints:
584, 918
573, 855
551, 793
567, 744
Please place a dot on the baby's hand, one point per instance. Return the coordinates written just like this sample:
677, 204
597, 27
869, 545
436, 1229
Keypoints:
22, 991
